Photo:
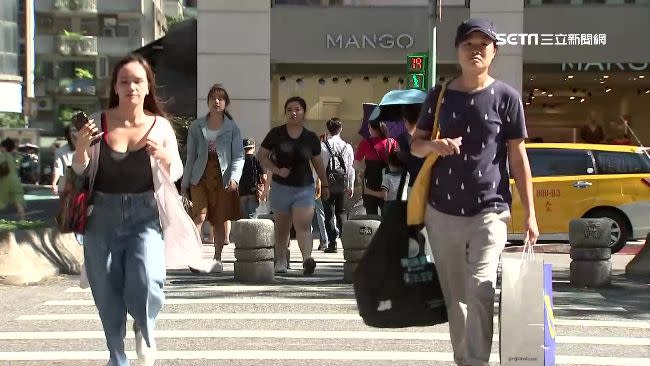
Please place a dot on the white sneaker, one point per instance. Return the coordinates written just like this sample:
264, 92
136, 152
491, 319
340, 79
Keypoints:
280, 268
146, 355
216, 267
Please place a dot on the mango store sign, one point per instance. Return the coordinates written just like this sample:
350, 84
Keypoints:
374, 40
605, 66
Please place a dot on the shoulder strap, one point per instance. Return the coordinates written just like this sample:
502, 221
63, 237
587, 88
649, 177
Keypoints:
435, 132
329, 148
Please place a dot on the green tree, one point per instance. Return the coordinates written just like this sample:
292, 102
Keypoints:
12, 120
181, 125
81, 73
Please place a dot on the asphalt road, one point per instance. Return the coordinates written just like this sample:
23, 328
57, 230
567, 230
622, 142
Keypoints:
213, 320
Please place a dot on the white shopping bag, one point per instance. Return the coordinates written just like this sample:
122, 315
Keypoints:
526, 330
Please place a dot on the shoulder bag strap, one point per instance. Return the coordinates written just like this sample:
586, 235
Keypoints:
435, 132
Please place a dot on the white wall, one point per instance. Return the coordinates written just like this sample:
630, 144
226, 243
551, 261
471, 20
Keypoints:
233, 48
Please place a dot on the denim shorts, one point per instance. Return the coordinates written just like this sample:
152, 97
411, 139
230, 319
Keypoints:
283, 198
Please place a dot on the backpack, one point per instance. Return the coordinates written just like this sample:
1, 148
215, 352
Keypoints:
337, 177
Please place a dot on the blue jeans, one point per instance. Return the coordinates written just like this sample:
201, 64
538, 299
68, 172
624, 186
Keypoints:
248, 204
125, 263
319, 220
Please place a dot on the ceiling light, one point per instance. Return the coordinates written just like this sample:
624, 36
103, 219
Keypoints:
605, 76
634, 79
536, 89
570, 77
550, 95
572, 97
527, 103
647, 91
608, 90
533, 97
641, 76
543, 92
602, 82
582, 100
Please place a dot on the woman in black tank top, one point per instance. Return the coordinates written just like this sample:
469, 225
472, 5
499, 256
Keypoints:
123, 242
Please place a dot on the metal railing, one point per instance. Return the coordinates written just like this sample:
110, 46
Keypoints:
78, 46
89, 6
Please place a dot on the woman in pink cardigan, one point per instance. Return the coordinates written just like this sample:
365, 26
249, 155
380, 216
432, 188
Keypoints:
136, 225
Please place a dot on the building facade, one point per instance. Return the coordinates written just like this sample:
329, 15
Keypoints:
10, 79
76, 45
569, 58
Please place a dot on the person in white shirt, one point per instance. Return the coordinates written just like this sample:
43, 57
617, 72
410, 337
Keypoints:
338, 158
391, 179
63, 160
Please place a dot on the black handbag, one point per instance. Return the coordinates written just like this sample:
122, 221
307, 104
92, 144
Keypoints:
392, 289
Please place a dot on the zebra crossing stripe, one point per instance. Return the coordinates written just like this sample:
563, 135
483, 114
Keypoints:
303, 355
308, 316
308, 334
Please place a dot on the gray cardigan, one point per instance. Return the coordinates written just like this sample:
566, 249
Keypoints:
230, 150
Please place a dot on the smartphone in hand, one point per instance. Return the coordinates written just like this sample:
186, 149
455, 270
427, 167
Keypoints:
79, 120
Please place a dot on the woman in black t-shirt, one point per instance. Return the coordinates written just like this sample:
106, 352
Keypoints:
288, 152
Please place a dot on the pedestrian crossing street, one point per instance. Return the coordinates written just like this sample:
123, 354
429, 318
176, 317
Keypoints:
212, 320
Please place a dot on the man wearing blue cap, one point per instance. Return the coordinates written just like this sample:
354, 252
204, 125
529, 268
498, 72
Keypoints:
482, 128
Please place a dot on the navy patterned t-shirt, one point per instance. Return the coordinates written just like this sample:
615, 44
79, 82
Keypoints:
477, 179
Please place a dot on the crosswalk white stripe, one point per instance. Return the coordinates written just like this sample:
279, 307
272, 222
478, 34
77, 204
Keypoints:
306, 288
340, 301
277, 288
308, 316
308, 334
234, 300
304, 355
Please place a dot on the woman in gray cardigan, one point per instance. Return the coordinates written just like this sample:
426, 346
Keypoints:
215, 159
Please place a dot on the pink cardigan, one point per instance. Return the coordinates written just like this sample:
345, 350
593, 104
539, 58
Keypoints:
182, 239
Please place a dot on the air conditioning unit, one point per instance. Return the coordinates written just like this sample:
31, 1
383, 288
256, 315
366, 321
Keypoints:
109, 32
44, 104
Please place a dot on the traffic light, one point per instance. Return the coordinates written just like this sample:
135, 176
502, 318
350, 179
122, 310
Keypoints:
416, 70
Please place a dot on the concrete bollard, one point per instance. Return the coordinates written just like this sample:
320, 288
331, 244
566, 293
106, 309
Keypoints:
358, 231
590, 252
639, 266
254, 252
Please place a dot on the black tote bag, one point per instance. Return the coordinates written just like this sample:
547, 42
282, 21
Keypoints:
392, 289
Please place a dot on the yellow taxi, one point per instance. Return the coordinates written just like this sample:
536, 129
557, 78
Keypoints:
587, 180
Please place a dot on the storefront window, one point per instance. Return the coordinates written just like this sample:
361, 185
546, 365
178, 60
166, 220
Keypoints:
586, 2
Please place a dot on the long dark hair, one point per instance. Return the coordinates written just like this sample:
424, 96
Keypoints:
151, 102
380, 127
219, 91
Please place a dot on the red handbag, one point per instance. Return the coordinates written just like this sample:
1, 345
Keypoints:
73, 212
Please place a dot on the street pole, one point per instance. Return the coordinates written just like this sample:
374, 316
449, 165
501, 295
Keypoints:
434, 13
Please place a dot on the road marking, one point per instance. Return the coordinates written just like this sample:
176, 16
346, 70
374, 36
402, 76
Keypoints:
218, 288
302, 355
243, 300
308, 334
309, 316
204, 316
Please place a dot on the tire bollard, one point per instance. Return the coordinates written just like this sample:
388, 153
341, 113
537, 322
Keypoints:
358, 231
590, 252
253, 250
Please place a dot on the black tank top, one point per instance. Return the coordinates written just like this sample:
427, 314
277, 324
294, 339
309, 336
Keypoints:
119, 172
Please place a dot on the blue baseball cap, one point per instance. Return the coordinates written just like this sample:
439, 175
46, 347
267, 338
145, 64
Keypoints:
399, 97
475, 25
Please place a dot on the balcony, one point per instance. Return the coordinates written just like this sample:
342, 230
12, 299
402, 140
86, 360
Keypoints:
118, 46
77, 87
121, 6
67, 45
76, 6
